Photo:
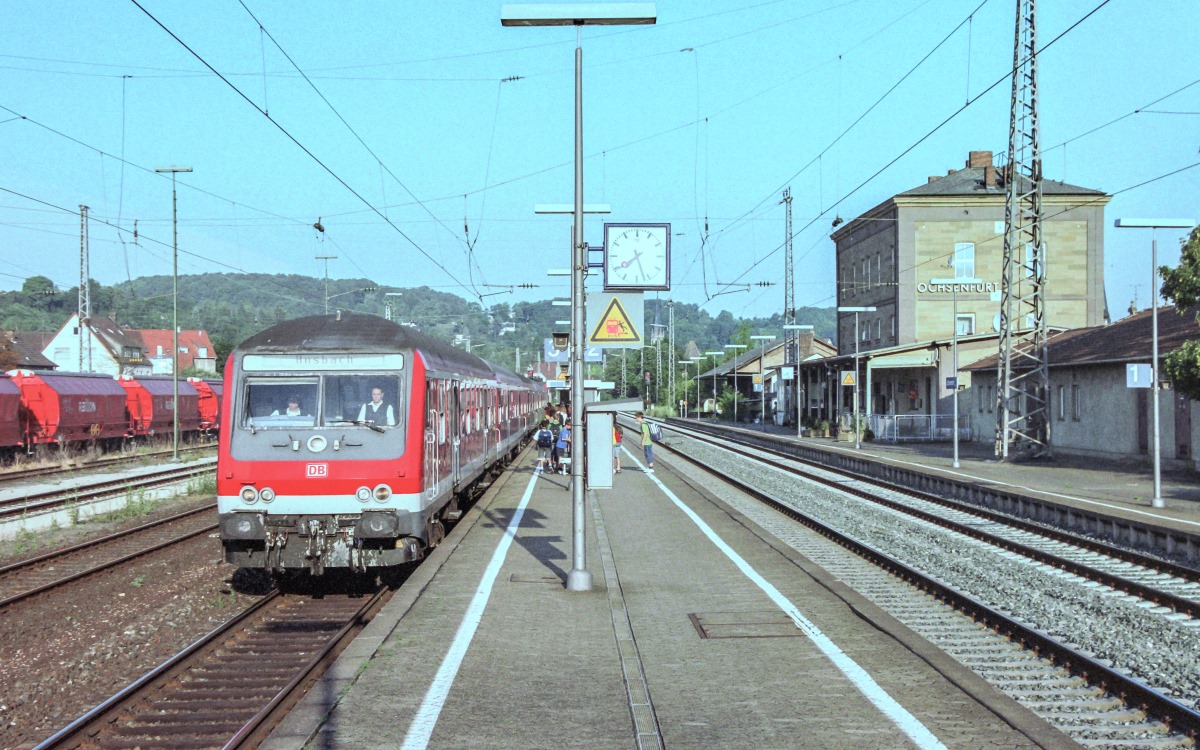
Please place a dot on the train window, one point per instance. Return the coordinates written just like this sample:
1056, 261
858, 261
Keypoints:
280, 402
373, 399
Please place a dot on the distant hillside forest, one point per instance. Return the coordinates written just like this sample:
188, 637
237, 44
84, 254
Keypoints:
232, 307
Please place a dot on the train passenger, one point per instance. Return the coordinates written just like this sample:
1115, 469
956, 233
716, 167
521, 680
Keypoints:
617, 438
562, 446
370, 411
292, 410
647, 441
545, 439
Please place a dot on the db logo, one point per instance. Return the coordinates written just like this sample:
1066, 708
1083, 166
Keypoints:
317, 470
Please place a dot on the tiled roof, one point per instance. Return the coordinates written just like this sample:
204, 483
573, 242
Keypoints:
1128, 340
970, 181
190, 342
29, 347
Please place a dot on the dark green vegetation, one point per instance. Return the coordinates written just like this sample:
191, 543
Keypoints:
232, 307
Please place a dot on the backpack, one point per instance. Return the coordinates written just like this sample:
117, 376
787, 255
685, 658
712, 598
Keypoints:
544, 439
655, 432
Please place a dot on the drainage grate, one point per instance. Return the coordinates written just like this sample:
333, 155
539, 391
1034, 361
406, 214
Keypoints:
763, 624
518, 578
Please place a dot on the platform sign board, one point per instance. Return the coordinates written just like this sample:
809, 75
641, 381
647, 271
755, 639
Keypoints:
615, 321
550, 354
951, 384
1138, 376
599, 450
787, 373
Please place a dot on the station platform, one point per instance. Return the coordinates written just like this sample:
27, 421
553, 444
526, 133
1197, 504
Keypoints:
1123, 489
701, 630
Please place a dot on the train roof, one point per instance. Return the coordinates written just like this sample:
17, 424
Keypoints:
346, 331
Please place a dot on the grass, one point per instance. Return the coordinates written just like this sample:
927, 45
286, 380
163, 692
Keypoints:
137, 582
23, 542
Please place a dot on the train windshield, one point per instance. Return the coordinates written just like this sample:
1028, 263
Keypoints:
329, 399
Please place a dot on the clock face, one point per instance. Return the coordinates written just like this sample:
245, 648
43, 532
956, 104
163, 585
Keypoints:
637, 256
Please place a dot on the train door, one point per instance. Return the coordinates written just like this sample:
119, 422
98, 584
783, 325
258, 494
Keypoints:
456, 411
429, 470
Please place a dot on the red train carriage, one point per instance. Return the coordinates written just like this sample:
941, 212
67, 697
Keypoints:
69, 407
10, 414
346, 439
150, 403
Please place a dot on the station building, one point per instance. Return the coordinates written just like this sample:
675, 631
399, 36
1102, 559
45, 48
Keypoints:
950, 227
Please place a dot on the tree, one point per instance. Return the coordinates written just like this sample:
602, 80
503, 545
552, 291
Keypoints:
1182, 286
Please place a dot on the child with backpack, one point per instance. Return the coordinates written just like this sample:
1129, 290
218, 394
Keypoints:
545, 441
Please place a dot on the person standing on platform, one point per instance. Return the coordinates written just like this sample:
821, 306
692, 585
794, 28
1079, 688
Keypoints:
562, 446
545, 440
617, 449
647, 441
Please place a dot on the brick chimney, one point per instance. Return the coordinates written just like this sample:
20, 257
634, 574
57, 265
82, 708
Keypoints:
979, 159
933, 178
989, 176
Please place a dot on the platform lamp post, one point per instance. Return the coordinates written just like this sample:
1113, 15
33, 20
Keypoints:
578, 15
854, 422
762, 361
735, 348
1153, 225
174, 310
686, 394
714, 355
697, 360
954, 284
799, 403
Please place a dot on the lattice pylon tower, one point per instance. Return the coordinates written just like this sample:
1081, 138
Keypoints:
791, 336
84, 309
671, 354
1022, 370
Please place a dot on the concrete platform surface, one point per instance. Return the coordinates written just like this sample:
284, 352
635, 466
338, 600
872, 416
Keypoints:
700, 631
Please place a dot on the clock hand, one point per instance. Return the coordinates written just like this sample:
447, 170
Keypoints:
635, 257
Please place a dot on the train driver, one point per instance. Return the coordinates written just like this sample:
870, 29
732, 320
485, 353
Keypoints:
374, 411
292, 410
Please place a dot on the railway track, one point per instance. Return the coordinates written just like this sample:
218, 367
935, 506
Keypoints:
230, 687
1075, 689
57, 499
40, 574
104, 462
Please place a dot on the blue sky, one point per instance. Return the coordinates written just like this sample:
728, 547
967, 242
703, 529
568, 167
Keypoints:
700, 119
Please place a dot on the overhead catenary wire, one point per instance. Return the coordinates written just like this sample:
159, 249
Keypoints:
300, 145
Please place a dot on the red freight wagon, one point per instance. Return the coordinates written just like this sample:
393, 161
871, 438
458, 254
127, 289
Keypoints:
70, 407
149, 401
210, 392
10, 414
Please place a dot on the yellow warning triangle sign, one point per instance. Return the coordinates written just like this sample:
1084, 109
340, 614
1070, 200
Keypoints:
614, 326
847, 378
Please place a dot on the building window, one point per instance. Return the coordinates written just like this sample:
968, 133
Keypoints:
893, 318
202, 351
867, 272
159, 350
1030, 261
1062, 405
878, 268
964, 324
964, 260
1076, 402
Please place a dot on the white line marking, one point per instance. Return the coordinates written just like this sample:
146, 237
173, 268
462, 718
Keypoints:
900, 716
435, 698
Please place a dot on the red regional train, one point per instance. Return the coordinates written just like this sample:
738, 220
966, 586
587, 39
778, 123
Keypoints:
69, 408
347, 441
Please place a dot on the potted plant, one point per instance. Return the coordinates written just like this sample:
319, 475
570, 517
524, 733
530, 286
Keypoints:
823, 428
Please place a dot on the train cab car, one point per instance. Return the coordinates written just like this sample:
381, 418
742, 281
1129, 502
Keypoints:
150, 403
70, 407
209, 393
10, 414
346, 439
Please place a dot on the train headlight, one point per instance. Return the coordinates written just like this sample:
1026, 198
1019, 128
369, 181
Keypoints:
382, 493
249, 495
317, 443
363, 494
267, 494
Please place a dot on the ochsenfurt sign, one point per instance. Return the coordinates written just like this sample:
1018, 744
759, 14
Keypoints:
983, 286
